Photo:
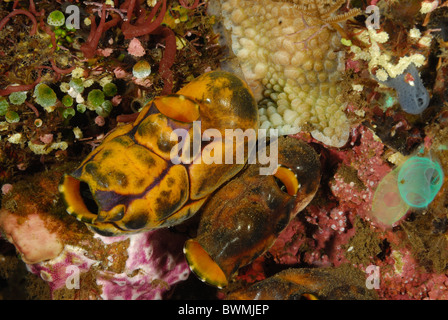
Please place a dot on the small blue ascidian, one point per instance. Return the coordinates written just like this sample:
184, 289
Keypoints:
412, 94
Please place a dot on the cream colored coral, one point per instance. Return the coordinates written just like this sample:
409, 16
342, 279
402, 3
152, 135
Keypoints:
47, 148
379, 60
293, 63
428, 6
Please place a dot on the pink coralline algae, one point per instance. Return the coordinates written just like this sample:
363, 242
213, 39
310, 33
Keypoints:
355, 194
100, 121
120, 73
60, 271
105, 52
438, 287
289, 242
333, 231
46, 138
28, 235
154, 262
6, 188
135, 48
402, 278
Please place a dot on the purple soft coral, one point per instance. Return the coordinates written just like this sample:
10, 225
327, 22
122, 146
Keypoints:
154, 262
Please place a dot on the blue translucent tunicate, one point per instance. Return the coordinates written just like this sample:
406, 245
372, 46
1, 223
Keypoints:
412, 95
419, 180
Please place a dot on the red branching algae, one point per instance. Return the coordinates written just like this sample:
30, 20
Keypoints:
127, 117
184, 4
32, 9
50, 33
89, 48
32, 107
14, 6
23, 87
143, 25
59, 70
5, 20
168, 58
